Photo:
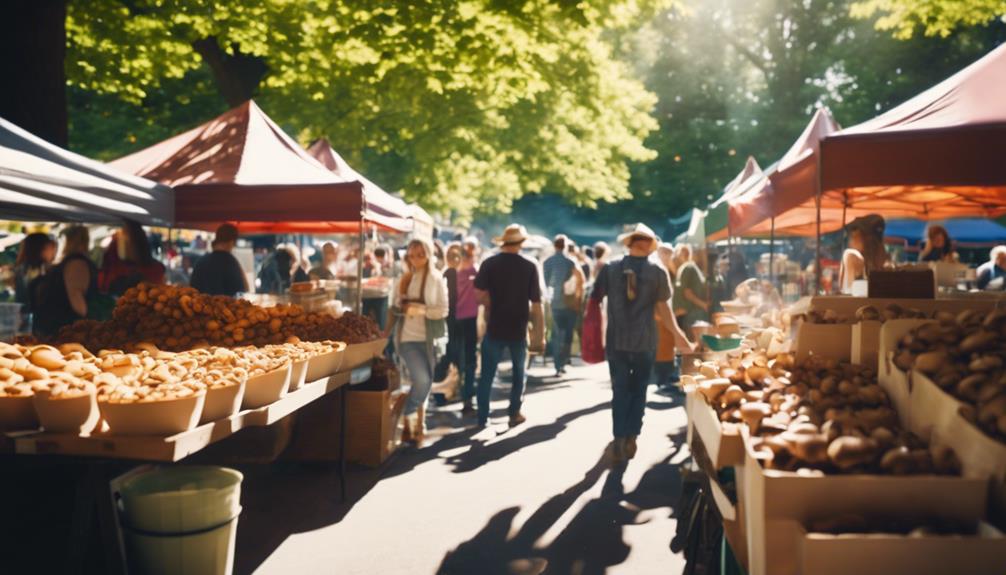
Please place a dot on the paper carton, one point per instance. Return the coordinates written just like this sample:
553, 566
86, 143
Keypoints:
846, 306
832, 341
891, 379
866, 343
776, 503
884, 554
724, 447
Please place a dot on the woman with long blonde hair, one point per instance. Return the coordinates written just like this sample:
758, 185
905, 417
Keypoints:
421, 305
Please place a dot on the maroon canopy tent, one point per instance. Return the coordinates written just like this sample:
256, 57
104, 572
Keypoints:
241, 167
940, 153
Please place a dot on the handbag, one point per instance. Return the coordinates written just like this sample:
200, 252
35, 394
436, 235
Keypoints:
593, 339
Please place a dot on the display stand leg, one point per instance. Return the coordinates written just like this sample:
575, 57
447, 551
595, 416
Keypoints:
343, 397
95, 507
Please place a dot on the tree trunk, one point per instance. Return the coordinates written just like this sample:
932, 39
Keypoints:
32, 53
236, 75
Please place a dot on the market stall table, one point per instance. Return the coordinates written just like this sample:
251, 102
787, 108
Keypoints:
103, 456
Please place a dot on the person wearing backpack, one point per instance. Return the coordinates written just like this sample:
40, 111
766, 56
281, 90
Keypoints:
61, 296
637, 291
564, 281
420, 330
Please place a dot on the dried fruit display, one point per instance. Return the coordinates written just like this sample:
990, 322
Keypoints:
964, 354
178, 318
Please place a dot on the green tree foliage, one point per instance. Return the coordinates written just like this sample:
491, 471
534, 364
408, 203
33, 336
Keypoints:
464, 105
933, 17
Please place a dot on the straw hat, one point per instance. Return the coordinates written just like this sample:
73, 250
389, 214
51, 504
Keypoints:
513, 234
639, 231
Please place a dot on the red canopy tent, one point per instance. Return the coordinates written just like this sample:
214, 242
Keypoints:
939, 154
382, 207
241, 167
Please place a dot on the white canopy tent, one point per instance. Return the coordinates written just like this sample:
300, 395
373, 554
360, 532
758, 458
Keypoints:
40, 181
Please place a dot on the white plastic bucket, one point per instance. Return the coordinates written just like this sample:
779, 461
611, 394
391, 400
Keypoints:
182, 519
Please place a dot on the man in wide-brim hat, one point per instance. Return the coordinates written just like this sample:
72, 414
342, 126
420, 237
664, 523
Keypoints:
637, 290
510, 289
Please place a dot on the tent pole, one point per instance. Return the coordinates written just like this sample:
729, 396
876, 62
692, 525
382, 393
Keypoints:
771, 254
359, 267
817, 250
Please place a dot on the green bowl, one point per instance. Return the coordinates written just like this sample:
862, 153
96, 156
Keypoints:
717, 343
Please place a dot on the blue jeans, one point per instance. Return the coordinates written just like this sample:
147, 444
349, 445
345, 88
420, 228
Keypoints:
416, 358
563, 326
492, 351
630, 373
468, 344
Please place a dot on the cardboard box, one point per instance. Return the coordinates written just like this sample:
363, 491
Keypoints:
846, 306
370, 426
886, 554
733, 520
725, 448
832, 341
891, 379
866, 343
777, 503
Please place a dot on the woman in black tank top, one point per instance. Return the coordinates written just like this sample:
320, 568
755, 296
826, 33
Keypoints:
61, 298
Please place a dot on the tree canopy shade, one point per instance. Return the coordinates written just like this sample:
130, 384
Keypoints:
463, 104
933, 17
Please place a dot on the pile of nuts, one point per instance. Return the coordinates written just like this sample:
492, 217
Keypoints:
145, 374
180, 318
964, 354
819, 415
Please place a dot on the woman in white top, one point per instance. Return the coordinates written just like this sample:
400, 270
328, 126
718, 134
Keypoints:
866, 251
421, 305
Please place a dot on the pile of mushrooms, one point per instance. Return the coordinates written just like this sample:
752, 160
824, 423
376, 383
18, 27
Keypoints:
964, 354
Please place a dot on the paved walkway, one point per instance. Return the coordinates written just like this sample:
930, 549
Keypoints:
493, 502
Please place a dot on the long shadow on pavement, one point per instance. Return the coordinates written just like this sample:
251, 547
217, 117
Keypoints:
283, 499
589, 544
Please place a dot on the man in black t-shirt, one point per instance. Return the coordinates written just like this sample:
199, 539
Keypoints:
508, 285
218, 272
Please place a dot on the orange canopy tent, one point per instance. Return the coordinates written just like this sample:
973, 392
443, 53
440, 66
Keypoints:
241, 167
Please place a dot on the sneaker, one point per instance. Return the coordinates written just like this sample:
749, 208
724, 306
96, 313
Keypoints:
630, 447
517, 419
